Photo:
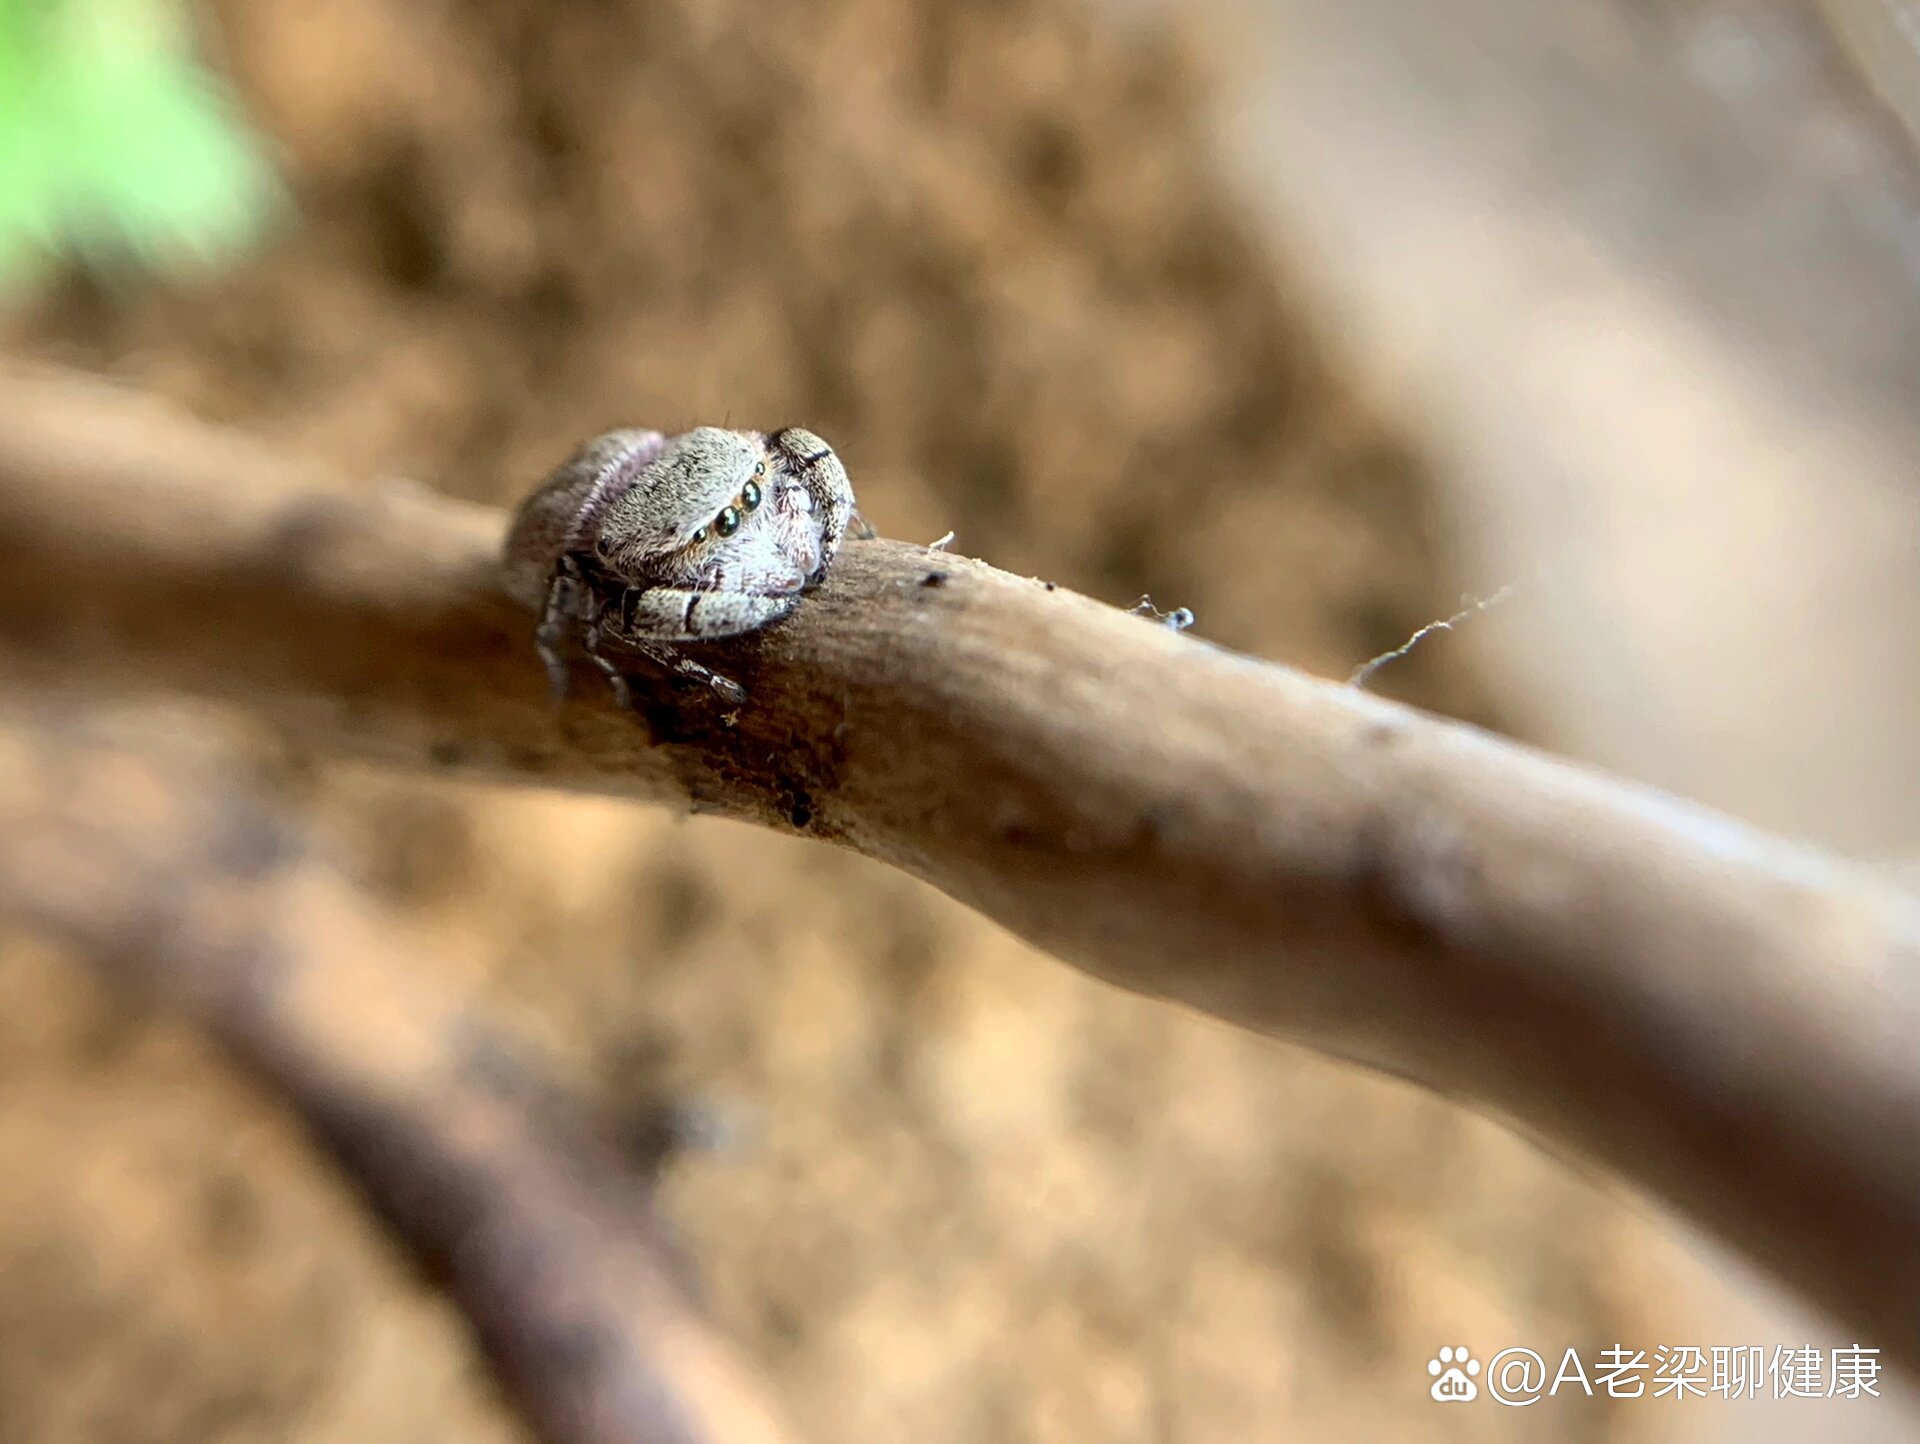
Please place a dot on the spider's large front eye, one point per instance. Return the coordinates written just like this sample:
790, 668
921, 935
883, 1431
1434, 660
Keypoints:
728, 522
750, 495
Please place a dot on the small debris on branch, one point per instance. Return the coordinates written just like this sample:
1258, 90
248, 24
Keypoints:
1177, 620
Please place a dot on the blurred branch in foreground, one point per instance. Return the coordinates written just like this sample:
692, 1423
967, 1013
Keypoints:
187, 893
1719, 1016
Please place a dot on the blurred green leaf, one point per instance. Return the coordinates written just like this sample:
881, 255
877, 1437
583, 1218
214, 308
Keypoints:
115, 142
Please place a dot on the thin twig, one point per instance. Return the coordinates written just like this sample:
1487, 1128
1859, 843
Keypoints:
1721, 1017
185, 891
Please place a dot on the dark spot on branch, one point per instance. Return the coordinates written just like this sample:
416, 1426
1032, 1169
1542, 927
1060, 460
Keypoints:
649, 1133
304, 532
1373, 877
781, 1322
492, 1061
231, 1217
664, 718
934, 579
1381, 733
1419, 877
1021, 834
247, 845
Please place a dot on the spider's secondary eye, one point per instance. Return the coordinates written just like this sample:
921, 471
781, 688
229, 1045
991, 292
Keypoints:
728, 522
604, 546
759, 468
750, 495
699, 536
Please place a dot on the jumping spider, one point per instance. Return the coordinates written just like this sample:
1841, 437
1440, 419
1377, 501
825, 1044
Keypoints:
643, 540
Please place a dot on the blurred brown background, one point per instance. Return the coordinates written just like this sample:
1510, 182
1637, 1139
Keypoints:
998, 256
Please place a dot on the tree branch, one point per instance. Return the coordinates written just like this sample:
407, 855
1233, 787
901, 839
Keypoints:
185, 891
1725, 1019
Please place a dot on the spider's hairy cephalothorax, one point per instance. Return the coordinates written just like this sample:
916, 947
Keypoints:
642, 540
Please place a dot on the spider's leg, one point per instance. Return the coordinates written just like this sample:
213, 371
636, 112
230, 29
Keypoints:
591, 638
827, 485
561, 614
652, 618
661, 655
674, 614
